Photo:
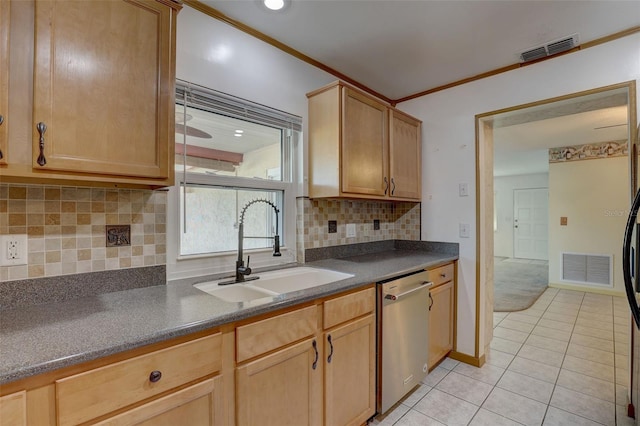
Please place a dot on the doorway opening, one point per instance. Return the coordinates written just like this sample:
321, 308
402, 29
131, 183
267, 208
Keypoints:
556, 140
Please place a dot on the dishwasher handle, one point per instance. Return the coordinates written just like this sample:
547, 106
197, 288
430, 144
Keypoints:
423, 285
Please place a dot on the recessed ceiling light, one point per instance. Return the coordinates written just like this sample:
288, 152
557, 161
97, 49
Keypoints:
238, 135
239, 131
274, 4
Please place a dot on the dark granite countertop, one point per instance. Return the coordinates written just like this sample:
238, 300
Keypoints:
40, 338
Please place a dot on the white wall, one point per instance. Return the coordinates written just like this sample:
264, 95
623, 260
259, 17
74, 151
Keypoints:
449, 144
218, 56
215, 55
503, 188
594, 196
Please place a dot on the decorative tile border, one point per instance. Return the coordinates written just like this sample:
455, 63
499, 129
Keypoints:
589, 151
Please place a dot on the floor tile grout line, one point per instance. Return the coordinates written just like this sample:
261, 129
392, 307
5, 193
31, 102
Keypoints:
507, 369
577, 415
510, 362
564, 355
562, 366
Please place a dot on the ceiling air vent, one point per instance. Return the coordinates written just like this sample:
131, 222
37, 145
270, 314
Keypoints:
549, 49
533, 54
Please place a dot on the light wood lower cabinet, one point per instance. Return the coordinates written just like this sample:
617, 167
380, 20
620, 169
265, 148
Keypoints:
283, 388
313, 365
100, 391
334, 362
13, 409
349, 373
200, 404
441, 322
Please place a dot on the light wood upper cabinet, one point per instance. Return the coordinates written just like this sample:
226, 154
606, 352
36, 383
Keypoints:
405, 160
100, 82
364, 146
5, 7
441, 313
360, 147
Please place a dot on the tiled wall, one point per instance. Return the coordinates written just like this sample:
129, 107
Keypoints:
66, 228
398, 221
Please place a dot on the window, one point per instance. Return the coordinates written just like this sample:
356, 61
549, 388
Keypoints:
230, 151
211, 223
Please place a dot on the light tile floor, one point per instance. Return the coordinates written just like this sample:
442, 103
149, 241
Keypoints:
561, 362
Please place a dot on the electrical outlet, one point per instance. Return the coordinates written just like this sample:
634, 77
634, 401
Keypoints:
376, 224
351, 230
333, 226
13, 249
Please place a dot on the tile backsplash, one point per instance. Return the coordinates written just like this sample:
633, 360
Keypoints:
398, 221
66, 228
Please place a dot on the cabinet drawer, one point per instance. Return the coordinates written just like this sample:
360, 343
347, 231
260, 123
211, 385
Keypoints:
441, 275
344, 308
100, 391
272, 333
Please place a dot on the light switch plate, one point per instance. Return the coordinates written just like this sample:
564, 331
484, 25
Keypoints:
351, 230
464, 230
463, 189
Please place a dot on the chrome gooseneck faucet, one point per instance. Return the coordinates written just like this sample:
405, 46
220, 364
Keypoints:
241, 270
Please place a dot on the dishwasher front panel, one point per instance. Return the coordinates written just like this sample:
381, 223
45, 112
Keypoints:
403, 346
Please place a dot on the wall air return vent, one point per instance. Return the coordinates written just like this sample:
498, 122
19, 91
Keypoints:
589, 269
549, 49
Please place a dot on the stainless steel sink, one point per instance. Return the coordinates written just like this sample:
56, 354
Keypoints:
272, 283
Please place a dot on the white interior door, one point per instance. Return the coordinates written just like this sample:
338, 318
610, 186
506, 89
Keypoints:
531, 223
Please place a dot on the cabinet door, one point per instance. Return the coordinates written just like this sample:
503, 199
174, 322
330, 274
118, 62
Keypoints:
103, 86
364, 145
13, 409
405, 156
350, 372
283, 388
4, 78
200, 404
441, 323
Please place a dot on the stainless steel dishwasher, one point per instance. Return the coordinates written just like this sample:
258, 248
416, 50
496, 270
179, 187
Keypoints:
403, 336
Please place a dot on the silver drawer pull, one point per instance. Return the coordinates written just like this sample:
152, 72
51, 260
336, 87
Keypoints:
424, 284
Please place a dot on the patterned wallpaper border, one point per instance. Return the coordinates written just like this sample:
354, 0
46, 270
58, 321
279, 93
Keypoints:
588, 151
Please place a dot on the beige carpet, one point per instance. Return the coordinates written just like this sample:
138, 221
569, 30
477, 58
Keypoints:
518, 283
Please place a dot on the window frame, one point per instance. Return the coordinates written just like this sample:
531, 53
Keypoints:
184, 266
